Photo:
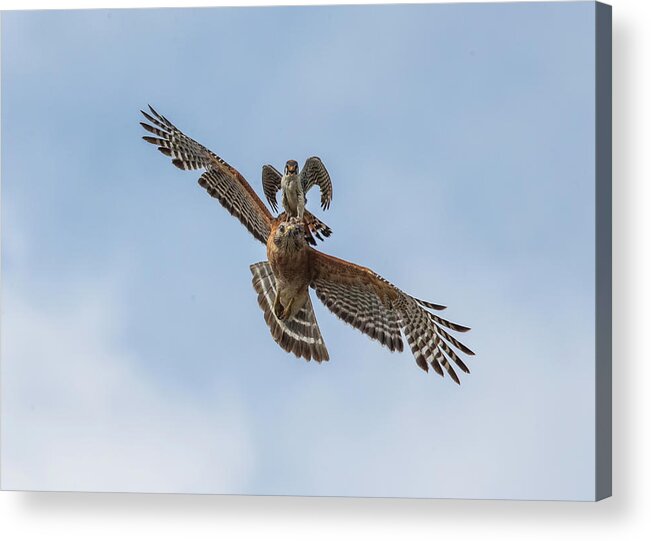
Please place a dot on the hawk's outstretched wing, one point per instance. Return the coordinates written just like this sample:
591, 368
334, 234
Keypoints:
379, 309
271, 178
315, 173
220, 180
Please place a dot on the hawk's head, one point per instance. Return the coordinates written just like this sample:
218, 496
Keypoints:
291, 167
290, 235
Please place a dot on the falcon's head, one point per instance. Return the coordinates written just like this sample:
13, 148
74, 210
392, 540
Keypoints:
290, 235
291, 167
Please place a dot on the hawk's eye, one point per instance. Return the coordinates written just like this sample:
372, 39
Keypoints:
282, 228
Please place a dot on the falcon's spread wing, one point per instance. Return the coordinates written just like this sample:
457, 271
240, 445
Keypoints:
271, 178
315, 173
380, 310
220, 180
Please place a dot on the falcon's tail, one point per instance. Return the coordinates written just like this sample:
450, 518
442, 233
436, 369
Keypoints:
315, 227
300, 335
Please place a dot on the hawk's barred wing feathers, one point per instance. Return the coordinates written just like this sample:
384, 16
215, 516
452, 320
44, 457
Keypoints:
380, 310
220, 180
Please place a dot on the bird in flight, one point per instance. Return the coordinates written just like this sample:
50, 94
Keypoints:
355, 294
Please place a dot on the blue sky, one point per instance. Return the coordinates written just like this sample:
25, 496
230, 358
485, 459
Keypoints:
460, 143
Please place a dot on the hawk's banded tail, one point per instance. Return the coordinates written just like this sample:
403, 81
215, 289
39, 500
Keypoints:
300, 335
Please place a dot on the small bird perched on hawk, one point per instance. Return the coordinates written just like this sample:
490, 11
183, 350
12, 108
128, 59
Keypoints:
353, 293
295, 186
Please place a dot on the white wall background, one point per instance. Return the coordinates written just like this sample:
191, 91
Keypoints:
625, 516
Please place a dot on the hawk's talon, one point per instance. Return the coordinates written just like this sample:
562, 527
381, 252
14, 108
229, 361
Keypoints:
279, 309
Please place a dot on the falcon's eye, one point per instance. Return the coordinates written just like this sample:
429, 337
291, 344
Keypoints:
282, 228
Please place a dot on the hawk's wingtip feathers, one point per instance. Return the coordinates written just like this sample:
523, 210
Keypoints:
220, 180
383, 312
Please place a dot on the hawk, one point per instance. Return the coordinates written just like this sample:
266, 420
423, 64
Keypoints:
295, 186
355, 294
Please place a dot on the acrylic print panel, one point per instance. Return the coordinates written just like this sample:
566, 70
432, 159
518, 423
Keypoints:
459, 140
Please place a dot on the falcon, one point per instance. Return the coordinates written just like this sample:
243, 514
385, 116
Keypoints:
355, 294
295, 186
